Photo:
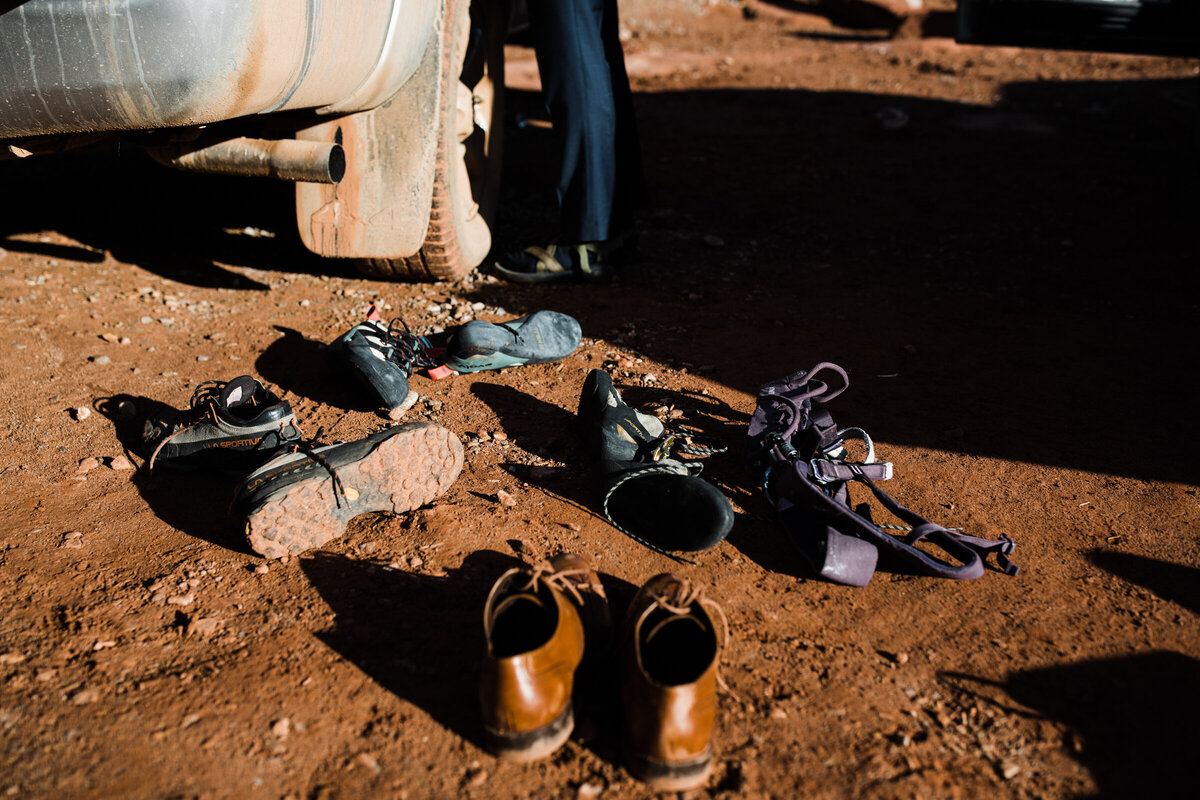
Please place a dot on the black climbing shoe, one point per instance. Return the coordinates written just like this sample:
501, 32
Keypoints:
648, 493
384, 357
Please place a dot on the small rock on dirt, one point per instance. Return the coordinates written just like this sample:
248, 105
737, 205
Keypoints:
589, 791
101, 360
505, 499
86, 696
87, 465
203, 627
281, 728
12, 658
120, 463
81, 413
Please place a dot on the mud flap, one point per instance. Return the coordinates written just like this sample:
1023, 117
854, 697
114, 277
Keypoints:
380, 209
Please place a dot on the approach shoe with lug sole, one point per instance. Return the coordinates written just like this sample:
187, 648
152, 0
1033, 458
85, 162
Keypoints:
647, 492
383, 358
232, 426
536, 338
303, 498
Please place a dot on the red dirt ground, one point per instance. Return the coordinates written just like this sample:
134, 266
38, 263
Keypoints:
998, 244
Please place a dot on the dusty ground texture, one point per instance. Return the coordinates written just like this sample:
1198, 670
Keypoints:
999, 245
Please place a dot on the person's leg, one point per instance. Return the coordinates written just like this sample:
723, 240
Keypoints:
578, 88
630, 186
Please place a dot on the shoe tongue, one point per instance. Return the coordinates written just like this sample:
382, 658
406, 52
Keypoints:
238, 391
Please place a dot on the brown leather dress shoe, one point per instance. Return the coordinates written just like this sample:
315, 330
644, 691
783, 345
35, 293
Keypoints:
534, 621
669, 657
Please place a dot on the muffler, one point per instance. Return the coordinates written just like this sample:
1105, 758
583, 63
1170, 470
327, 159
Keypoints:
284, 159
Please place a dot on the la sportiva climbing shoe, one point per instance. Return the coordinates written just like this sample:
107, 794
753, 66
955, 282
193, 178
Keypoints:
536, 338
232, 426
383, 358
647, 492
304, 497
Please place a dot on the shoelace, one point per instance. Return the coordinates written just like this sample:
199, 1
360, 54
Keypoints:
199, 407
406, 349
308, 447
686, 595
558, 579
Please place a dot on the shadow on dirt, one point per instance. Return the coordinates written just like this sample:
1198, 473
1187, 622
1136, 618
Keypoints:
547, 430
196, 503
421, 637
1175, 583
1014, 281
304, 367
180, 226
1129, 715
970, 265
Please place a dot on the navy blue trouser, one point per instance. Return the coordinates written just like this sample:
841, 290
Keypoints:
587, 93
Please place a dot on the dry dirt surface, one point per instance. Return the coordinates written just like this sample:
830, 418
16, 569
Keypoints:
998, 244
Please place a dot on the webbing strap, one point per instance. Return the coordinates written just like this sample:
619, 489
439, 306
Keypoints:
967, 551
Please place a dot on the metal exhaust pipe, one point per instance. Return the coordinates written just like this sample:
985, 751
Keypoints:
285, 159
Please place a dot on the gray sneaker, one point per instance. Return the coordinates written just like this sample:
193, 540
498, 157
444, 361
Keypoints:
232, 426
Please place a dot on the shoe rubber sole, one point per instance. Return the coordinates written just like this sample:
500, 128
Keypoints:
531, 745
404, 472
664, 776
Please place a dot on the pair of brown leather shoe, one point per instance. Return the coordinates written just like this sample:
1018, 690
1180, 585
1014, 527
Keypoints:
536, 623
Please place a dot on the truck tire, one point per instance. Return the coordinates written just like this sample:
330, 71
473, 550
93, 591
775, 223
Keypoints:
467, 161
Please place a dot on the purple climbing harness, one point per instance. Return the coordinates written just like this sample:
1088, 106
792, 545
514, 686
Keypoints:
802, 456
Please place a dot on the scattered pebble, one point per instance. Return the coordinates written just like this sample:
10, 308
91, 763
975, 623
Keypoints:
86, 696
120, 463
416, 562
369, 761
181, 599
87, 465
189, 720
203, 627
281, 728
1009, 771
505, 499
261, 569
589, 791
99, 359
778, 713
12, 658
104, 644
